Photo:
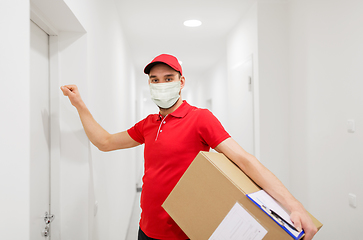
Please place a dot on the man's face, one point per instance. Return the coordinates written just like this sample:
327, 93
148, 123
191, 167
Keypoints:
162, 73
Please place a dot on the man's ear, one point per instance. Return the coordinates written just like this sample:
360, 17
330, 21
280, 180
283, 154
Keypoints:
182, 82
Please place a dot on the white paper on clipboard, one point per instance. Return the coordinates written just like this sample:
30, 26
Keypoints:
262, 198
237, 225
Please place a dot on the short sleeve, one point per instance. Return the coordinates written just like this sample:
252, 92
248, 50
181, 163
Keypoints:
137, 132
211, 129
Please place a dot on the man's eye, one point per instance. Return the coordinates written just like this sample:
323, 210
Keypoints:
169, 79
154, 80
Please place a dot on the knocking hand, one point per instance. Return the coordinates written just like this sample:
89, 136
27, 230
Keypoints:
71, 91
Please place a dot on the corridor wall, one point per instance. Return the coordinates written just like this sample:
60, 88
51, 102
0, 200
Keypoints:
325, 77
105, 78
307, 57
110, 97
15, 126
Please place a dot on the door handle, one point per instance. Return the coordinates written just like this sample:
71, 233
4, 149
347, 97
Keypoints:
48, 218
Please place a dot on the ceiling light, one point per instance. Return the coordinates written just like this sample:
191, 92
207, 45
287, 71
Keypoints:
192, 23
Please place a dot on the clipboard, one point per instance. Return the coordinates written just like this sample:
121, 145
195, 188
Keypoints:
274, 210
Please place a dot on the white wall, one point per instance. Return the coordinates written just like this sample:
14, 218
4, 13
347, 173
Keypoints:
14, 127
326, 74
298, 85
111, 100
216, 90
309, 75
211, 88
196, 90
98, 62
273, 87
74, 146
262, 34
242, 44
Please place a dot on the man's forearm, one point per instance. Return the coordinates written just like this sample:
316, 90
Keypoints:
95, 133
259, 173
270, 183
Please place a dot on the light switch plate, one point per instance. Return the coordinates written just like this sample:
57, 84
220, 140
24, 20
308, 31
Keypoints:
95, 208
351, 126
352, 200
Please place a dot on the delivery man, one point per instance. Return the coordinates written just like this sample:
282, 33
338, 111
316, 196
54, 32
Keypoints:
172, 139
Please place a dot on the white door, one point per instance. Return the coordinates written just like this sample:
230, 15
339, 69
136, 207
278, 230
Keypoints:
241, 102
40, 131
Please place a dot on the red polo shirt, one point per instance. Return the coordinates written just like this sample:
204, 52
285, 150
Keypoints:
171, 144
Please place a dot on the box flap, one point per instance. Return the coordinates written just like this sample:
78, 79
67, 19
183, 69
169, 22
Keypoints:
233, 173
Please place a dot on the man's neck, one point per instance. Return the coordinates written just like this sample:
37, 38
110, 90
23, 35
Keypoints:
167, 111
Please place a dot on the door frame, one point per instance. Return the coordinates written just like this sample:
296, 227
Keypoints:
54, 112
42, 13
255, 102
255, 97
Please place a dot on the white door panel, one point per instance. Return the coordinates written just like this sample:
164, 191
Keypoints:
242, 120
40, 130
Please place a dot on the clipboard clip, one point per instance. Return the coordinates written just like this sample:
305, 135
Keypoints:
278, 218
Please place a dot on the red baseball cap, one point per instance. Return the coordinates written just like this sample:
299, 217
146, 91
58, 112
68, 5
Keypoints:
167, 59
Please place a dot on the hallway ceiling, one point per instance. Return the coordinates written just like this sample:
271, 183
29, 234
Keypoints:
155, 27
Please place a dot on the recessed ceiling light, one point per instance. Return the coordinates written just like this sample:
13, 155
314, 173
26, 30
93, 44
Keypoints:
192, 23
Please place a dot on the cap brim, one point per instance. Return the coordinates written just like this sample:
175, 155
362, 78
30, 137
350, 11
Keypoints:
150, 65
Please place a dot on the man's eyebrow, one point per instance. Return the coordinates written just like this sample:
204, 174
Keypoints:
169, 75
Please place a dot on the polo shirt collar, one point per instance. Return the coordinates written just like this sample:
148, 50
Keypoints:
181, 111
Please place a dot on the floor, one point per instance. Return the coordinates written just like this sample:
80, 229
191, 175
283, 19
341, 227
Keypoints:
134, 221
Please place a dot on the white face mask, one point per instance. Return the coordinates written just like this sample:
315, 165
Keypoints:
165, 95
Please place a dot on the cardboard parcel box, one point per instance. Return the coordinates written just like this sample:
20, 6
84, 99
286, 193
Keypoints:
207, 192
